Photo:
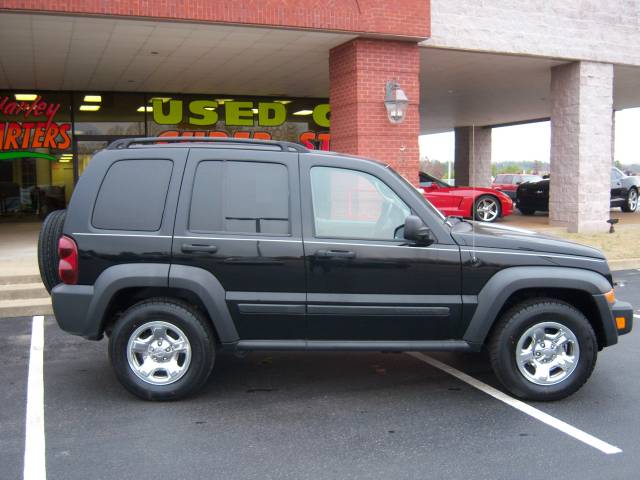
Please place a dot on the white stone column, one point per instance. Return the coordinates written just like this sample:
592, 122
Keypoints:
472, 164
581, 105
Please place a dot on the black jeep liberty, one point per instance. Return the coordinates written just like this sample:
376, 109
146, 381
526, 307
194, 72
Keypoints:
178, 250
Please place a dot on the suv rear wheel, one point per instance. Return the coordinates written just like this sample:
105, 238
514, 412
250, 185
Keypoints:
543, 349
162, 349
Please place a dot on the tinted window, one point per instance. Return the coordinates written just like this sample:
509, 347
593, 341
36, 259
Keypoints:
132, 195
506, 179
240, 197
352, 204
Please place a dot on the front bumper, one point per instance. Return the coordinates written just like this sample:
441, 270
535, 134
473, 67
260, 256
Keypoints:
608, 315
622, 313
507, 206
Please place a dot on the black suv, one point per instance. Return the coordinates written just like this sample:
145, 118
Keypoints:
179, 250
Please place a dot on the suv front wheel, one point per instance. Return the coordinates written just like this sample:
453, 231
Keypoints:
162, 349
543, 349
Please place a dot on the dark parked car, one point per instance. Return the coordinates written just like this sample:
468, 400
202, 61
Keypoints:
178, 251
533, 197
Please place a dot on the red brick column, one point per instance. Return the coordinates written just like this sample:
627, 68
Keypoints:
358, 72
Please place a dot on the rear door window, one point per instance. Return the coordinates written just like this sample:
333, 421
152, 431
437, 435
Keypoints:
133, 195
240, 197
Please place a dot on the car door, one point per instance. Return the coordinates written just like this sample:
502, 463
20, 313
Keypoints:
364, 283
618, 192
239, 218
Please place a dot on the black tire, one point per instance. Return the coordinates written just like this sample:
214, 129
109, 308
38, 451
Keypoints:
48, 259
190, 321
481, 198
515, 322
629, 205
526, 211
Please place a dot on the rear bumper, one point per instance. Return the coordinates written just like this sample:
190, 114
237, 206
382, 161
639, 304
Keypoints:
71, 306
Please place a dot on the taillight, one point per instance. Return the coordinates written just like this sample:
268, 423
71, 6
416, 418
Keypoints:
68, 265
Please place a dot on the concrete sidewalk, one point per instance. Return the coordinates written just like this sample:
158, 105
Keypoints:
21, 290
18, 249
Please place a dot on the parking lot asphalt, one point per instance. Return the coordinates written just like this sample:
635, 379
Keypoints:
316, 416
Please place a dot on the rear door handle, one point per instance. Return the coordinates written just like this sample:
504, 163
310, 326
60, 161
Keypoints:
335, 254
197, 248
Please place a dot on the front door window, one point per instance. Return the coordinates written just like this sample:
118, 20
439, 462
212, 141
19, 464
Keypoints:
353, 204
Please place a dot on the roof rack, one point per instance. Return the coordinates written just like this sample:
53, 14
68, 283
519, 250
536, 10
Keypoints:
127, 142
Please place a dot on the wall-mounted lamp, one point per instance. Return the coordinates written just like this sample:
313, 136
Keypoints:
396, 102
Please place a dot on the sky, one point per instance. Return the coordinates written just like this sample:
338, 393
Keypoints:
531, 141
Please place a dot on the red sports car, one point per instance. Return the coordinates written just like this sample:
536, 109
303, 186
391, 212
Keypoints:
488, 204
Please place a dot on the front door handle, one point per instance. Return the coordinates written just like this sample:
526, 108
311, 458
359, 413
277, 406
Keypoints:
335, 254
197, 248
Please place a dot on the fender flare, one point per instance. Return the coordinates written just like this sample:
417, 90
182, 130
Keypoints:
119, 277
212, 294
506, 282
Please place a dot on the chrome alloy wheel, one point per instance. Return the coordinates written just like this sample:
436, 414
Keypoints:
159, 353
632, 200
487, 209
547, 353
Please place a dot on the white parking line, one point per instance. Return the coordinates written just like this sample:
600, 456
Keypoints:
34, 453
519, 405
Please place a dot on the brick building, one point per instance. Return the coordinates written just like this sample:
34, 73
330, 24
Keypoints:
275, 68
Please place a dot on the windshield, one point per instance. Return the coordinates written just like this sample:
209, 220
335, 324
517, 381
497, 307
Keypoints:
428, 179
416, 193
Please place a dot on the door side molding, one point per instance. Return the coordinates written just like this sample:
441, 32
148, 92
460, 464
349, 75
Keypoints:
358, 345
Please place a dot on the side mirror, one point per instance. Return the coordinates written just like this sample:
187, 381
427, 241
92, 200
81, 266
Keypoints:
416, 231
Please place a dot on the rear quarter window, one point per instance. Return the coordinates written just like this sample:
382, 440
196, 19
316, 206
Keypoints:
133, 195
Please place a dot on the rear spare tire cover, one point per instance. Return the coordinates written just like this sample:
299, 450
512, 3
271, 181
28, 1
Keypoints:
50, 233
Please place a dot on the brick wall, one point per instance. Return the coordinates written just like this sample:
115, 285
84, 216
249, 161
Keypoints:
358, 72
405, 18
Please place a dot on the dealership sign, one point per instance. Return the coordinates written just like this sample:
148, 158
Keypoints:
34, 127
203, 113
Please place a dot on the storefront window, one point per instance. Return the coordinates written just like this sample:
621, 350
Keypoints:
47, 139
36, 168
116, 114
303, 121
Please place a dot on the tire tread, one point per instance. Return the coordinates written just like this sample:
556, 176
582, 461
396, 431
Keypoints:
48, 259
511, 316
